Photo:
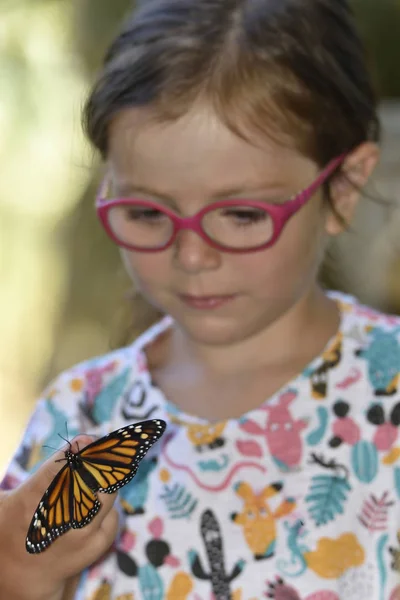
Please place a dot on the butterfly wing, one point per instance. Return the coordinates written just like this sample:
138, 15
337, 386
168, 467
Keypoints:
85, 504
68, 502
53, 515
112, 461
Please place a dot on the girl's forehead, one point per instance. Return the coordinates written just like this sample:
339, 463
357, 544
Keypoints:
198, 145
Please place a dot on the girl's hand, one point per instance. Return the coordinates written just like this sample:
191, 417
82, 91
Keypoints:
44, 576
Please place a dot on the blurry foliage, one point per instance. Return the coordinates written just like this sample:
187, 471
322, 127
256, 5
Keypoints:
96, 23
379, 21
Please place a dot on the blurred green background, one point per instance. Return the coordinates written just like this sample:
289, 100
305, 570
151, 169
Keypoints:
62, 290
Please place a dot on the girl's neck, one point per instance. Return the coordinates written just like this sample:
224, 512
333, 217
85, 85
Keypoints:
297, 337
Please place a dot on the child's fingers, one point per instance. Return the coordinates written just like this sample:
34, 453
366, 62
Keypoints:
105, 535
83, 549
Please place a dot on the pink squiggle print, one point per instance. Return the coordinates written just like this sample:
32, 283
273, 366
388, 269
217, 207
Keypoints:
353, 377
210, 488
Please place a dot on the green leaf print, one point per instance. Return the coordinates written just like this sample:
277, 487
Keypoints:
180, 503
327, 497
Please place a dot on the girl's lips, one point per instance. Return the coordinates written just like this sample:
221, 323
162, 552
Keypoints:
205, 302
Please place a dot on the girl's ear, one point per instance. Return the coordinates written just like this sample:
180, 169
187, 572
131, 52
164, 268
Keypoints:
346, 187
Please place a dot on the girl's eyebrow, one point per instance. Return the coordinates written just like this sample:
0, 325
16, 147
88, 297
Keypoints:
128, 189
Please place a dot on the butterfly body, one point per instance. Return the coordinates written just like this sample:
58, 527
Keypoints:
105, 465
75, 463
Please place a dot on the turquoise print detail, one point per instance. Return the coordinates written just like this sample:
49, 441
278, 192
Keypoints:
383, 357
296, 565
282, 466
106, 400
327, 497
150, 582
308, 372
316, 436
380, 551
213, 464
180, 503
396, 476
365, 461
172, 409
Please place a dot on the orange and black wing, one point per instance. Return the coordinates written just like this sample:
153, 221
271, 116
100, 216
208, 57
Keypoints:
68, 502
113, 460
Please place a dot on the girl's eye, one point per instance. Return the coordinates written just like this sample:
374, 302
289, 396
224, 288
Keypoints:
246, 216
136, 213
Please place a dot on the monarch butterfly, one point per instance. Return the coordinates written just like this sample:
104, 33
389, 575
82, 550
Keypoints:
105, 465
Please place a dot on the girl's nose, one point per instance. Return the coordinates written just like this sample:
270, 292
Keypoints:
193, 254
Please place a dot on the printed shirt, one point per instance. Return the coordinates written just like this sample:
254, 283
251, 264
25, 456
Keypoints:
296, 500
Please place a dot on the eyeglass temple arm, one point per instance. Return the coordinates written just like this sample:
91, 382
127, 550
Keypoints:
304, 196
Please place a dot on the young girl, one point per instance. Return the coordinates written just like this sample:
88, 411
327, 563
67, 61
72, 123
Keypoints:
237, 136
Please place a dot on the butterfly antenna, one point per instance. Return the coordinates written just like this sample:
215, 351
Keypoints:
51, 448
65, 439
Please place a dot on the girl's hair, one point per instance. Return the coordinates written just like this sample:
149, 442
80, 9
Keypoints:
294, 70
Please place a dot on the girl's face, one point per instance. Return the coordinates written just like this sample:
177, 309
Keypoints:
216, 297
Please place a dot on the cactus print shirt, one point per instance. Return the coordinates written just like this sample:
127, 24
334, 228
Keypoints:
296, 500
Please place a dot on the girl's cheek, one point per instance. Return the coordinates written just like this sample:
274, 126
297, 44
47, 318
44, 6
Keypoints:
136, 263
294, 258
147, 271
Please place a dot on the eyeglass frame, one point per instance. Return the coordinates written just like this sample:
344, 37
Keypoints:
279, 213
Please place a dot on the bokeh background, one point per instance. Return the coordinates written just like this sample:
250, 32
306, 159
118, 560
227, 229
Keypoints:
62, 290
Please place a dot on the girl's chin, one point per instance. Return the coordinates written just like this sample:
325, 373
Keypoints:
212, 330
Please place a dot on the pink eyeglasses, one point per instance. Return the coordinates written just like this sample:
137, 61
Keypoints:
236, 226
